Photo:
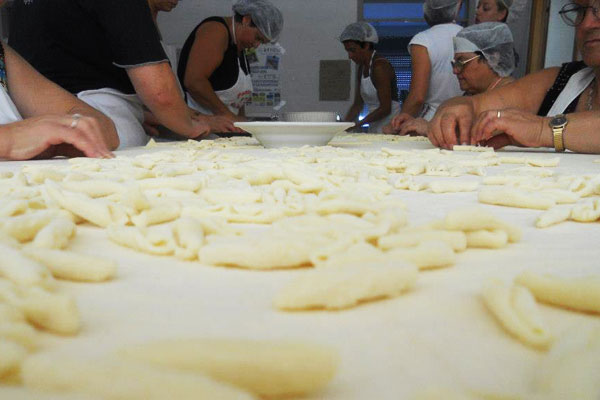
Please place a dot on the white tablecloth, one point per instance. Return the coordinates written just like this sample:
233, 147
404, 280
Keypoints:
439, 334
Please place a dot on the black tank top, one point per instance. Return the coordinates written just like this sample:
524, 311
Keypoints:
226, 74
567, 70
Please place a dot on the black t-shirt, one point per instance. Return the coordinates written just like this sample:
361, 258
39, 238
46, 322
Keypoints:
226, 74
85, 44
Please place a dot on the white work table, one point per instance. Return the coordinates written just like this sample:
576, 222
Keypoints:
437, 335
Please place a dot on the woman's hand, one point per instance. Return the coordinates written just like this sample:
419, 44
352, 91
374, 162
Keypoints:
399, 120
206, 124
451, 125
53, 135
499, 128
388, 129
415, 126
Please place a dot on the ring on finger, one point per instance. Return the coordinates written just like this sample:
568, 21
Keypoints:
76, 118
499, 114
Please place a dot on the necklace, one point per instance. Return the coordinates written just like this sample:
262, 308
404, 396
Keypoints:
591, 95
494, 84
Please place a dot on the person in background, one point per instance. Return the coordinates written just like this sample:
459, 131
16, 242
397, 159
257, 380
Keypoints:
109, 54
213, 67
38, 119
376, 80
484, 59
431, 52
556, 107
492, 10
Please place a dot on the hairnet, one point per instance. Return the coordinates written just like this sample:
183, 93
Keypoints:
494, 40
267, 18
360, 32
439, 11
506, 3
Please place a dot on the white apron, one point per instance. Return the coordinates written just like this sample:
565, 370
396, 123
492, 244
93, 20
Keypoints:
8, 110
235, 98
368, 92
126, 111
574, 87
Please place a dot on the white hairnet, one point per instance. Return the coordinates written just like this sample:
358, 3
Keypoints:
440, 11
267, 18
360, 32
494, 40
507, 3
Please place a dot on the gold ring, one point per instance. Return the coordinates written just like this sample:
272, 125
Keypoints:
75, 120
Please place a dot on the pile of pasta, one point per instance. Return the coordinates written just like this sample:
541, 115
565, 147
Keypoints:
337, 211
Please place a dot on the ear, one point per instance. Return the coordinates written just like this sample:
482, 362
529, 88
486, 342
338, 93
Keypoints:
246, 20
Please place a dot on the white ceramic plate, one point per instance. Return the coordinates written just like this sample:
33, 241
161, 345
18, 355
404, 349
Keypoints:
293, 134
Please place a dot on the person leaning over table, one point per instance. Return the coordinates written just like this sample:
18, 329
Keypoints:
492, 10
376, 79
484, 59
213, 67
109, 54
39, 119
555, 107
431, 51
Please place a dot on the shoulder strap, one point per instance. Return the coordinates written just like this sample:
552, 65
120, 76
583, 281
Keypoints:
566, 71
3, 80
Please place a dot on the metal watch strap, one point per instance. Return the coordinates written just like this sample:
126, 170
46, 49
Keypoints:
557, 134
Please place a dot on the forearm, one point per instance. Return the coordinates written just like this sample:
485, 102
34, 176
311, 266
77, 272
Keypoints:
353, 113
203, 93
581, 135
412, 105
157, 88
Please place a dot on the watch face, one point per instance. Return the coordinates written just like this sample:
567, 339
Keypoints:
558, 120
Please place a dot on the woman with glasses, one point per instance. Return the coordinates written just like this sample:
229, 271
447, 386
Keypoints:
431, 51
484, 59
555, 107
213, 67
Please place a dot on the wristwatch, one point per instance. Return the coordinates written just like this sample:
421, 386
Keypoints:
558, 124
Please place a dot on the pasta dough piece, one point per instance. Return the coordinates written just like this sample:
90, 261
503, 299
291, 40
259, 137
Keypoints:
343, 253
269, 369
553, 216
157, 215
149, 242
456, 239
452, 186
55, 312
95, 211
516, 310
586, 212
561, 196
429, 254
11, 357
513, 160
21, 270
19, 332
582, 294
72, 266
55, 235
543, 162
476, 219
94, 187
495, 239
117, 380
335, 289
13, 207
189, 238
462, 147
25, 227
511, 197
192, 185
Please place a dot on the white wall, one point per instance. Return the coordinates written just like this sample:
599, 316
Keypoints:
561, 37
309, 35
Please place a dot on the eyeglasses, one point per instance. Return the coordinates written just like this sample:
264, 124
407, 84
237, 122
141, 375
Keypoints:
460, 64
573, 14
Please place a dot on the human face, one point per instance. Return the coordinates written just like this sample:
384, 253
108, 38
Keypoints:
472, 74
487, 11
355, 52
249, 36
164, 5
588, 33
